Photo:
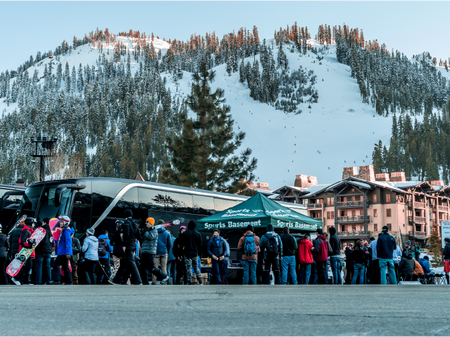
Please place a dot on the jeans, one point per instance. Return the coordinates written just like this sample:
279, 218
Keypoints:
305, 273
322, 274
288, 267
192, 262
160, 259
172, 272
336, 269
249, 271
43, 271
358, 272
148, 265
62, 261
389, 263
89, 271
216, 269
127, 267
275, 263
224, 270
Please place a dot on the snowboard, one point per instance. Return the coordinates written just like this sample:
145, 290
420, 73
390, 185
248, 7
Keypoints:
54, 227
23, 217
170, 223
22, 256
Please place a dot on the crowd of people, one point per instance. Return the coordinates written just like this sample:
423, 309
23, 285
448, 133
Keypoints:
152, 255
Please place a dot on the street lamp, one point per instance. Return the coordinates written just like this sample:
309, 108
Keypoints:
42, 152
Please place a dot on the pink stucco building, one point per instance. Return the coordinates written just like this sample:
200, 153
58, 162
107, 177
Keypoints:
360, 204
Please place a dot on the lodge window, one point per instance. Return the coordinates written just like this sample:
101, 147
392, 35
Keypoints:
328, 215
354, 228
374, 198
375, 213
375, 227
388, 212
353, 198
353, 213
388, 198
389, 226
332, 215
343, 228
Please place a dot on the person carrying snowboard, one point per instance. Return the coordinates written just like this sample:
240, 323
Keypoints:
19, 239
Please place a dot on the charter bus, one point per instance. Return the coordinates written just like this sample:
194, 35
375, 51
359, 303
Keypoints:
99, 202
10, 198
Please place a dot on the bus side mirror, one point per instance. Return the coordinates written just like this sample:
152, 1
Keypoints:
58, 195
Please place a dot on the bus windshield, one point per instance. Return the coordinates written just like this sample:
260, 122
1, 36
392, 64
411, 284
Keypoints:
44, 198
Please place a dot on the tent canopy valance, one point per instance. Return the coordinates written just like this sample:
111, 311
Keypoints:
258, 211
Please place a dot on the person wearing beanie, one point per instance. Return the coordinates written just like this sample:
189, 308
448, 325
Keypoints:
191, 240
104, 257
335, 256
4, 246
178, 253
425, 264
272, 248
128, 262
90, 250
43, 256
249, 245
64, 252
386, 246
151, 221
162, 250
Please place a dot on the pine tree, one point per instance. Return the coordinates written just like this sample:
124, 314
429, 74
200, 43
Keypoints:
436, 247
203, 155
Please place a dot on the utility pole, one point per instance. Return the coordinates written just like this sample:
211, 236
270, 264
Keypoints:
42, 152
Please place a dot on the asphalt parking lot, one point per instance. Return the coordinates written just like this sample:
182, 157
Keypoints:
224, 310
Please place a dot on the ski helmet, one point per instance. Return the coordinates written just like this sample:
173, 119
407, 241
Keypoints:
30, 221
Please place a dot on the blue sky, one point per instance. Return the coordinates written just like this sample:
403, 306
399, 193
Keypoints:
410, 27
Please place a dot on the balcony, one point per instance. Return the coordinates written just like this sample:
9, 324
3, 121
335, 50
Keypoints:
443, 208
353, 234
418, 234
350, 204
352, 219
419, 204
314, 206
418, 220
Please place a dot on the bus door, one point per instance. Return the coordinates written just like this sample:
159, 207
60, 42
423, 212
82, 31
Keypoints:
9, 205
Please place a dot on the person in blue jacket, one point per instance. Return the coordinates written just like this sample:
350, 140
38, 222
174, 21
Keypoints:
162, 250
63, 250
216, 249
171, 270
425, 263
104, 254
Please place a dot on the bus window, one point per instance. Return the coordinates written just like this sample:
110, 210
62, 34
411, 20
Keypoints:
81, 215
103, 193
179, 202
30, 200
151, 199
48, 208
223, 204
84, 196
129, 200
203, 205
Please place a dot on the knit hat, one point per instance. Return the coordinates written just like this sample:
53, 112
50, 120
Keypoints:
182, 227
128, 213
151, 220
426, 257
270, 228
385, 229
161, 221
250, 228
408, 243
90, 231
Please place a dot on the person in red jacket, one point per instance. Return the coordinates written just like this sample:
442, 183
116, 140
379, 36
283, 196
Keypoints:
321, 250
305, 258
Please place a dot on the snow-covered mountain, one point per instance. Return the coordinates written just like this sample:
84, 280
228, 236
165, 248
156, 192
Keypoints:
337, 131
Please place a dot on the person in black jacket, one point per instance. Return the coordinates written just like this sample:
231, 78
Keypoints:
43, 255
191, 240
128, 263
288, 259
17, 240
385, 252
335, 256
178, 252
349, 263
4, 246
358, 257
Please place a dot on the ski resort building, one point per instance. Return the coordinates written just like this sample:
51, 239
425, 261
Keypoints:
360, 204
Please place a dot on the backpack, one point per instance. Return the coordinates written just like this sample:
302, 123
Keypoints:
249, 245
103, 248
272, 247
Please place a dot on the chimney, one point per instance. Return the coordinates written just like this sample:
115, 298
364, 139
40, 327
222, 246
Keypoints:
302, 180
366, 172
349, 172
382, 177
437, 183
398, 176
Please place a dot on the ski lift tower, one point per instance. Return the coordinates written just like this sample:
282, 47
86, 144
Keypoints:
43, 151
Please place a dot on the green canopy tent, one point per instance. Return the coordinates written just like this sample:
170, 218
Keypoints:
258, 211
